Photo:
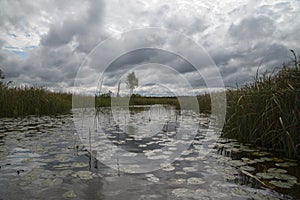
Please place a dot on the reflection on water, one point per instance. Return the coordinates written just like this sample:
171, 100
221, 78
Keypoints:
43, 158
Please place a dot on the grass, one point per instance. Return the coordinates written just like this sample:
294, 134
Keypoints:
266, 113
22, 101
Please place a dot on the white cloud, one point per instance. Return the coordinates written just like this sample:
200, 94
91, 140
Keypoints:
56, 36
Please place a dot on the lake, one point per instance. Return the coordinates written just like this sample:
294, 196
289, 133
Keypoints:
144, 152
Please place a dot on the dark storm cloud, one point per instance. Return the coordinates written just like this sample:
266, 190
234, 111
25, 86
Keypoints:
86, 30
150, 55
237, 39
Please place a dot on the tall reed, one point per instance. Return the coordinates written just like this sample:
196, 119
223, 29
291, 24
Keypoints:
21, 101
266, 112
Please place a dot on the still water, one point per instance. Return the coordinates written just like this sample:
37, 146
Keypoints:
151, 152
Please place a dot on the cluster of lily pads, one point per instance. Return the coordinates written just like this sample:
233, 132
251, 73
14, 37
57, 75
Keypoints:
42, 153
273, 175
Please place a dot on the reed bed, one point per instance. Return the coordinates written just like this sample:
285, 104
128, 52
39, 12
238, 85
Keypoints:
266, 113
21, 101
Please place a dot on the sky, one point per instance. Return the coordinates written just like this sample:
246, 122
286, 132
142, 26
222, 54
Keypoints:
66, 45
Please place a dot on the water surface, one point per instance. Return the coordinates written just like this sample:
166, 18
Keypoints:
44, 158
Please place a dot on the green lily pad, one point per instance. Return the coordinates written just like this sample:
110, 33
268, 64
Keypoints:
259, 160
236, 163
281, 184
230, 171
239, 192
260, 154
264, 175
277, 170
189, 169
287, 177
286, 164
52, 181
259, 196
267, 159
195, 181
229, 177
177, 181
84, 175
247, 168
152, 178
183, 192
168, 168
245, 159
70, 194
79, 165
65, 173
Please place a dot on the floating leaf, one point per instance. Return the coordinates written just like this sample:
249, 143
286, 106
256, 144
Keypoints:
264, 175
195, 181
239, 192
183, 192
189, 169
53, 181
247, 168
286, 164
79, 164
236, 163
70, 194
287, 177
229, 177
281, 184
84, 175
277, 170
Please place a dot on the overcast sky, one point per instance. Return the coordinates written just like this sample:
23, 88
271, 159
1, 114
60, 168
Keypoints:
44, 43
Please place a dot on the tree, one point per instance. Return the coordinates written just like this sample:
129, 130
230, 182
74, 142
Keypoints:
132, 82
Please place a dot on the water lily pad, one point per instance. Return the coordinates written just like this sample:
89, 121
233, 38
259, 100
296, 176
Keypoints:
229, 177
195, 181
277, 170
178, 181
264, 175
236, 163
189, 169
79, 164
281, 184
267, 159
168, 168
84, 175
152, 178
247, 168
52, 181
230, 171
260, 196
286, 164
183, 192
239, 192
70, 194
260, 154
287, 177
259, 160
65, 173
245, 159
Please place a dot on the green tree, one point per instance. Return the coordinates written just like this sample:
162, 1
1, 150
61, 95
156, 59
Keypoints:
132, 82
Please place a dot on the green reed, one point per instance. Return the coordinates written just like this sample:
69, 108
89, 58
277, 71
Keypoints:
21, 101
266, 113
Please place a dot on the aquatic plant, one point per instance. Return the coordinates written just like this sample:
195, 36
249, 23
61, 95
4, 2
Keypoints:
29, 100
266, 113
